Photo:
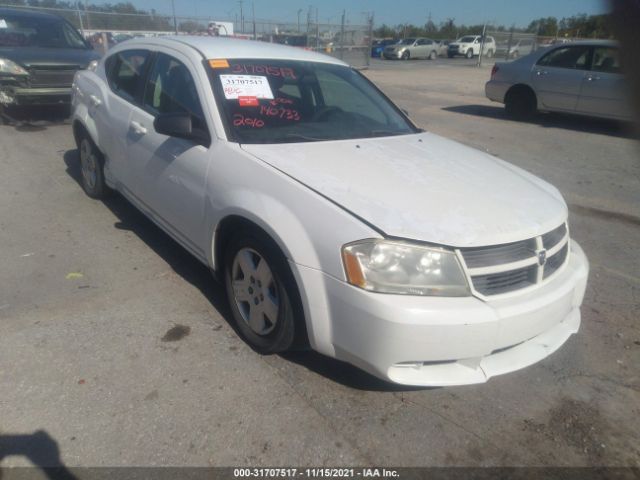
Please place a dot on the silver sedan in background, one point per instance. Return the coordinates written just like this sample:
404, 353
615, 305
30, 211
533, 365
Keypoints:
582, 77
409, 48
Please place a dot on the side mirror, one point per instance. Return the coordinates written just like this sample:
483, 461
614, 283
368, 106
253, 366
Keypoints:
174, 125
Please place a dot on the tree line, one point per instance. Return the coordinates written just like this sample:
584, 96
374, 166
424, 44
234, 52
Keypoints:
582, 26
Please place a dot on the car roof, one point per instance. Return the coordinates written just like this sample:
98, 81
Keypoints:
18, 12
223, 47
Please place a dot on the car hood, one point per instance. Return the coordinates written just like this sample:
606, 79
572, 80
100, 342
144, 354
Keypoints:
423, 187
34, 56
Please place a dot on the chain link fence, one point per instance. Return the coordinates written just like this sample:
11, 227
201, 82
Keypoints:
104, 29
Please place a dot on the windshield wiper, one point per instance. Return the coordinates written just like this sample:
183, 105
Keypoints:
299, 136
385, 133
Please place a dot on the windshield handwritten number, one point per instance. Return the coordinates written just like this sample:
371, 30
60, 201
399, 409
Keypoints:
240, 120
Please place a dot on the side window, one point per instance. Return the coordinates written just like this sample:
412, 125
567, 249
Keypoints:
606, 60
171, 89
566, 57
125, 70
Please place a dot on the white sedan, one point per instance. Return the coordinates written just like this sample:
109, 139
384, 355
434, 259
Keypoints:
333, 220
582, 78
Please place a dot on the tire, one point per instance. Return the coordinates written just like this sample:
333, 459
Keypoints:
91, 168
262, 293
406, 55
490, 54
520, 103
469, 54
433, 55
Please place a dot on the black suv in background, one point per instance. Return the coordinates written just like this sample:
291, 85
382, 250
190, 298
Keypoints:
39, 55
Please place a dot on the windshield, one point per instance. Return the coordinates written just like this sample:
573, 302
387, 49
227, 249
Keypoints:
25, 31
467, 40
408, 41
279, 101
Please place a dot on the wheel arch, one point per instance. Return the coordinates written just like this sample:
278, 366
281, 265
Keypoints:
520, 88
224, 232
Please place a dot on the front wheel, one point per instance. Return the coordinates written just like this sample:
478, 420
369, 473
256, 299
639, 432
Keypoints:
261, 292
490, 54
469, 54
406, 55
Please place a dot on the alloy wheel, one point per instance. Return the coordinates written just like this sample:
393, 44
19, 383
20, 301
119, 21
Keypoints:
255, 291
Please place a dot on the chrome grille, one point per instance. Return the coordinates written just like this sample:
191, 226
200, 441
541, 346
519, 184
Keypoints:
508, 253
51, 77
499, 269
556, 261
506, 281
554, 236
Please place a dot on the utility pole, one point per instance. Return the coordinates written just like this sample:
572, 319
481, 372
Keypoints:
299, 12
241, 17
175, 22
253, 14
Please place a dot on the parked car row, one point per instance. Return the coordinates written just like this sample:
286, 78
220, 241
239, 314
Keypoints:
421, 47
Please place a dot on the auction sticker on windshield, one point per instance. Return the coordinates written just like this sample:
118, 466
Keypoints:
236, 86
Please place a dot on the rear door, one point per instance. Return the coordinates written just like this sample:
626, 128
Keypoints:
125, 72
557, 77
604, 89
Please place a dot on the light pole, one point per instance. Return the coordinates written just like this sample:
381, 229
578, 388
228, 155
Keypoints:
175, 22
299, 12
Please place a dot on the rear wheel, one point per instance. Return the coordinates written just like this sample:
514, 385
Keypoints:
520, 102
91, 168
490, 54
433, 55
261, 291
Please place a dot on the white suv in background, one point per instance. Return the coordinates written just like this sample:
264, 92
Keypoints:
469, 46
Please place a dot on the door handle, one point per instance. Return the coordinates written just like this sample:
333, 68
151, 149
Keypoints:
95, 101
138, 128
592, 78
541, 72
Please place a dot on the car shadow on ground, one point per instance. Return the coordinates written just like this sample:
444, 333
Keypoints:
34, 118
194, 272
40, 449
554, 120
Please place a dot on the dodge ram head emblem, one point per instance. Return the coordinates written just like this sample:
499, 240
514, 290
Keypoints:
542, 257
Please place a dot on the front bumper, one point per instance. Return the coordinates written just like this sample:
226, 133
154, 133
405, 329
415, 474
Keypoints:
10, 95
392, 55
429, 341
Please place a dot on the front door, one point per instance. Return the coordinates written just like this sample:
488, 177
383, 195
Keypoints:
557, 77
171, 172
604, 90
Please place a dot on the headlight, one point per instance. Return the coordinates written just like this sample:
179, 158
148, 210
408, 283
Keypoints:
93, 66
12, 68
404, 268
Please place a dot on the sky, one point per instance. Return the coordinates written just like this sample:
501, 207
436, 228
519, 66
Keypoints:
500, 12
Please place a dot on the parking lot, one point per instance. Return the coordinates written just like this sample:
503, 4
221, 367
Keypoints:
117, 344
